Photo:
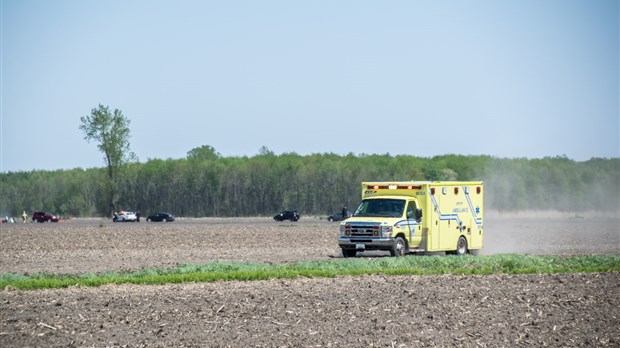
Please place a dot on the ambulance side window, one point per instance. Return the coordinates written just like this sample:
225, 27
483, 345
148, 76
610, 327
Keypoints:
411, 210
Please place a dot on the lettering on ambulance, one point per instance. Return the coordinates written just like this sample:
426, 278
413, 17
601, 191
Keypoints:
444, 217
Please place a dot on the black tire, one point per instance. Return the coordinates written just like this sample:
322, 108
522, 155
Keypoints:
461, 246
349, 252
330, 219
399, 248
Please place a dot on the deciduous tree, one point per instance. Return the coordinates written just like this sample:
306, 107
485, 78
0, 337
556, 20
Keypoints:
111, 131
205, 152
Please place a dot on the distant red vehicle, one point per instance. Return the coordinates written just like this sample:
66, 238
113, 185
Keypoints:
41, 216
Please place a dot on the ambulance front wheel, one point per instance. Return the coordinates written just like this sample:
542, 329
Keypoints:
399, 248
349, 252
461, 246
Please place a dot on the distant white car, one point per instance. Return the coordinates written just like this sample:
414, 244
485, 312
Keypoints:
125, 216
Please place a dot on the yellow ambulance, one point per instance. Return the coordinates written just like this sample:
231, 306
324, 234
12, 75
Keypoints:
416, 216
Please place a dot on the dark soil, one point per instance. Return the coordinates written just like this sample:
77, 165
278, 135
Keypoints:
567, 310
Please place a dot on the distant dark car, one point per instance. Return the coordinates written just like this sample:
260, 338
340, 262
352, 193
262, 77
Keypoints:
338, 216
164, 217
41, 216
292, 215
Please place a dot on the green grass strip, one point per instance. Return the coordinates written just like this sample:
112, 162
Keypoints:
241, 271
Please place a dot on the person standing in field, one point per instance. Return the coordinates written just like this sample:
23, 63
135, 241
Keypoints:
24, 217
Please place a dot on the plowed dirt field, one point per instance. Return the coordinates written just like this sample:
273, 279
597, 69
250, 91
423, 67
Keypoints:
559, 310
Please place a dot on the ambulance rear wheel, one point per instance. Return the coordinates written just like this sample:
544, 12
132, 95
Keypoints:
349, 252
461, 246
399, 247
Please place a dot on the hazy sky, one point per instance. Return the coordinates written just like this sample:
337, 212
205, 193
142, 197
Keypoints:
512, 78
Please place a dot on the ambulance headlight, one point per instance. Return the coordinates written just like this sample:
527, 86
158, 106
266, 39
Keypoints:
345, 230
386, 231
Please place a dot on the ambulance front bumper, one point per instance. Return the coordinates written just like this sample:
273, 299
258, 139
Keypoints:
365, 243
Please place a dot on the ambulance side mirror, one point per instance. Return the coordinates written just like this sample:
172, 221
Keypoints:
418, 214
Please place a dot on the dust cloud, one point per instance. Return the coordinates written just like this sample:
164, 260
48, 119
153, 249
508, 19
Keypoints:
551, 233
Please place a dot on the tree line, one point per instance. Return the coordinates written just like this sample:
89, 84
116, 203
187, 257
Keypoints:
207, 184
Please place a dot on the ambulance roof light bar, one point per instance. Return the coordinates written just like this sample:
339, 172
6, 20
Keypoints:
394, 187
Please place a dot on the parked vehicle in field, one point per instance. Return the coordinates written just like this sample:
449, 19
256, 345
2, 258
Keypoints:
8, 220
41, 216
338, 216
292, 215
125, 216
163, 217
416, 216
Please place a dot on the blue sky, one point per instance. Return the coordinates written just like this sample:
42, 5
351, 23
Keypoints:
514, 78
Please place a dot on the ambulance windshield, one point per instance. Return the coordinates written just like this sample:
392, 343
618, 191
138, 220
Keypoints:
380, 207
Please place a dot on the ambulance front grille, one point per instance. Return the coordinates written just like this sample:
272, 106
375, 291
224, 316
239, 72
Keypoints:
363, 230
